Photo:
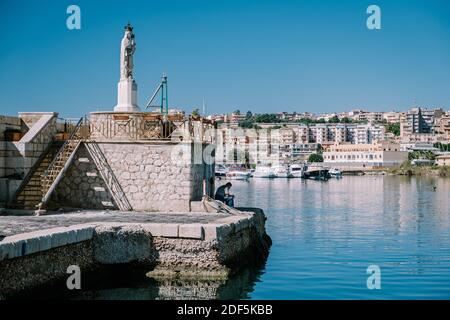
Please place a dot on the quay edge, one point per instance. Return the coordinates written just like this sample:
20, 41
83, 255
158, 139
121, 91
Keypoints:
213, 250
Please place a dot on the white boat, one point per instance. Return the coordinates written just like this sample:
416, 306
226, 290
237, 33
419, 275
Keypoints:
237, 175
263, 172
335, 173
295, 171
221, 170
280, 171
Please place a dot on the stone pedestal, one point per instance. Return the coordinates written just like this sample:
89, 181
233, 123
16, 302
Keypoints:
127, 96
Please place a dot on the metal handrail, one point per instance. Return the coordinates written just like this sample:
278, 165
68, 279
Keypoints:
61, 150
118, 195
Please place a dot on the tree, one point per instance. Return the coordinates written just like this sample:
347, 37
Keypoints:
346, 120
267, 118
196, 112
442, 146
315, 158
246, 124
421, 155
238, 112
334, 119
393, 128
248, 115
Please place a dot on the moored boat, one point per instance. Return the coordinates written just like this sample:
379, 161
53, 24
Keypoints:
335, 173
263, 172
317, 174
238, 175
280, 171
295, 171
220, 170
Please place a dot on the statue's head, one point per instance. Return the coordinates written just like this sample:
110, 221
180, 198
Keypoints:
129, 28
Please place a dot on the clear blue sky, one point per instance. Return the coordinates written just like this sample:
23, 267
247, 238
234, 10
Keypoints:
264, 56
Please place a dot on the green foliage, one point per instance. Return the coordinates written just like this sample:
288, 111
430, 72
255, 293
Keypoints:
442, 146
195, 112
305, 121
315, 158
334, 119
248, 115
421, 155
267, 118
238, 112
346, 120
246, 124
393, 128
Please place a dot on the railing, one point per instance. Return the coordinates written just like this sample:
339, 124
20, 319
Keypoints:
60, 162
150, 126
108, 176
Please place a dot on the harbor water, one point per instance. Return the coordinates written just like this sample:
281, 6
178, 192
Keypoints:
325, 236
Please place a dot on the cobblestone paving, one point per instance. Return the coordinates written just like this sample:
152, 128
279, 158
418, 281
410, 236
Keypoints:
11, 225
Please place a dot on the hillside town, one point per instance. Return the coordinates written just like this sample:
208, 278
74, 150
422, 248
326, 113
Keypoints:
357, 139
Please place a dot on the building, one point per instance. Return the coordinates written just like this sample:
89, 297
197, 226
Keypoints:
365, 134
304, 150
444, 124
377, 154
443, 160
419, 120
392, 116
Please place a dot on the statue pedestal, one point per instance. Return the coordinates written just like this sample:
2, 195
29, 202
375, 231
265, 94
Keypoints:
127, 96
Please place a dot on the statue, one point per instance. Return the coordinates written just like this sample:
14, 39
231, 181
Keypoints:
127, 87
127, 49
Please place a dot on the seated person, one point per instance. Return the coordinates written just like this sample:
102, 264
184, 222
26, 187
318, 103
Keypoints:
223, 194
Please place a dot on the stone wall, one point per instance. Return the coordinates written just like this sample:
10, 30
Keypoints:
83, 185
154, 176
17, 157
6, 123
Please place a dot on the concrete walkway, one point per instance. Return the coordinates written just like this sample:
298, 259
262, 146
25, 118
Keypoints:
13, 225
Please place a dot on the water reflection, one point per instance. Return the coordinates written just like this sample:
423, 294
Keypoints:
325, 235
131, 283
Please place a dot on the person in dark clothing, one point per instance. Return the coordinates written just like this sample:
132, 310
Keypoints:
223, 194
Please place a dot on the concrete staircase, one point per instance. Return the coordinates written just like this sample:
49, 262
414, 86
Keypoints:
55, 171
43, 178
31, 194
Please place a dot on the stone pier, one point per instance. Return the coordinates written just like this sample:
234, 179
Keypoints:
37, 250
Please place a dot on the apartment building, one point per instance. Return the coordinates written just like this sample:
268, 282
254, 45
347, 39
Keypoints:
419, 120
444, 124
377, 154
392, 116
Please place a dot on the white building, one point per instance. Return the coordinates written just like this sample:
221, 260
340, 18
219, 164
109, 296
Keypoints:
377, 154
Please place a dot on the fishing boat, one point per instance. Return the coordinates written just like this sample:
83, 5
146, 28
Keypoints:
280, 171
263, 172
320, 174
295, 171
335, 173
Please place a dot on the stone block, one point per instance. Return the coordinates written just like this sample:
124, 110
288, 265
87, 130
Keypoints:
155, 229
169, 230
191, 231
216, 231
